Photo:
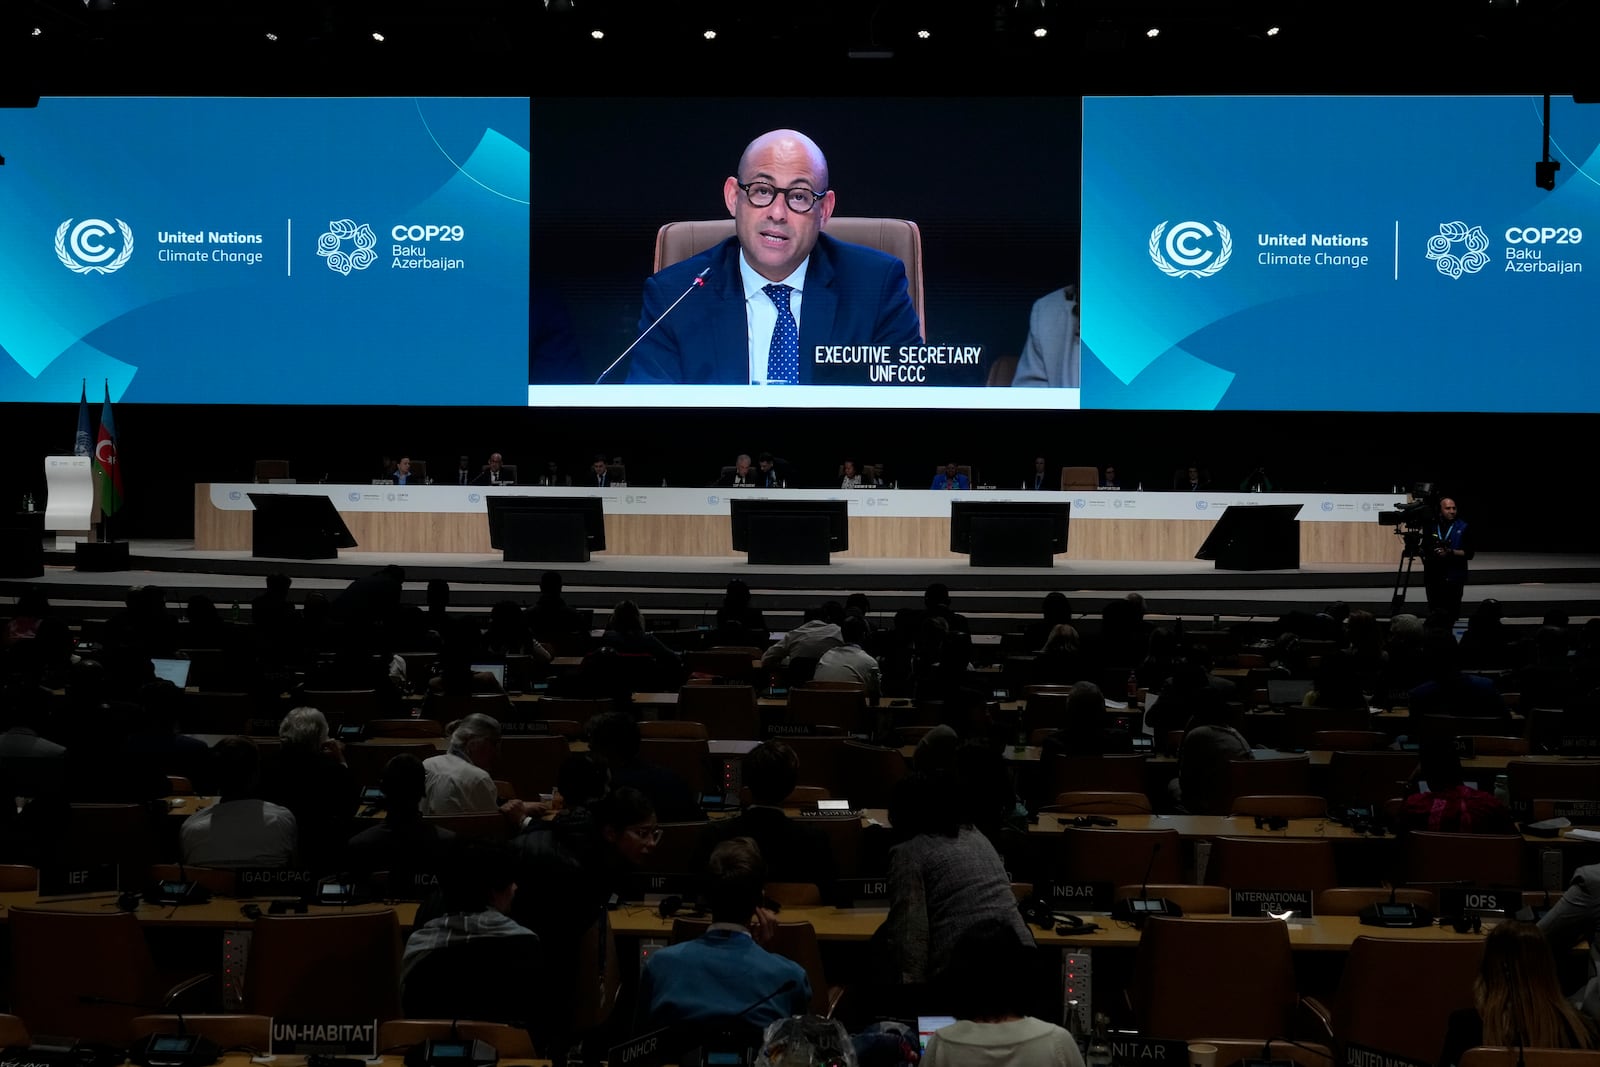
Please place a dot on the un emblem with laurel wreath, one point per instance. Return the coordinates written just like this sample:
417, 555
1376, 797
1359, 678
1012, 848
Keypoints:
1180, 248
82, 252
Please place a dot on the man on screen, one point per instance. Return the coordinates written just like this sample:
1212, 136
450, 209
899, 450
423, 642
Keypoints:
777, 289
1050, 355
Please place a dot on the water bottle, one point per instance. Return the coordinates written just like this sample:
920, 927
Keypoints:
1502, 789
1099, 1045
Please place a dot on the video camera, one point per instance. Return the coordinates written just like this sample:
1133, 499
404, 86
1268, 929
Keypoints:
1412, 518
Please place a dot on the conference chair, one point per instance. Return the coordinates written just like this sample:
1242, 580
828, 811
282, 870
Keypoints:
344, 966
728, 711
1044, 707
1290, 776
1476, 859
869, 773
677, 241
476, 825
13, 1033
801, 796
1533, 779
107, 833
964, 469
793, 941
60, 957
1002, 372
496, 979
509, 1042
453, 707
531, 763
1366, 779
1080, 478
1121, 857
1491, 745
1282, 805
251, 1032
685, 757
674, 729
404, 728
598, 978
735, 666
217, 881
1193, 899
1352, 900
1117, 774
1395, 995
18, 878
839, 704
342, 706
1257, 1000
1349, 740
367, 760
1272, 863
267, 470
821, 762
1099, 802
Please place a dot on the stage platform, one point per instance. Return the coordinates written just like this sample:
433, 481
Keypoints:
688, 589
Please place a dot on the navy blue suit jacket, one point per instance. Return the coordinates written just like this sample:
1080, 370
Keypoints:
853, 296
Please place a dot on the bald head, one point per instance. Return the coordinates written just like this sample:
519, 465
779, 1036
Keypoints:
790, 147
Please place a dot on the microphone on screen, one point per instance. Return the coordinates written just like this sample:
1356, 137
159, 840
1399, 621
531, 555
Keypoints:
698, 282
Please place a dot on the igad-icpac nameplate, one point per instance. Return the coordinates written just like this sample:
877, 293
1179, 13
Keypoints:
275, 882
324, 1037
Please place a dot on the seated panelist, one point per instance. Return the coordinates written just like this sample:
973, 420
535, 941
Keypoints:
763, 300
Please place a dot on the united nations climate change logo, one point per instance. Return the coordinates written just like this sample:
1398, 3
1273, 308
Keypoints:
80, 249
1181, 248
1474, 249
331, 246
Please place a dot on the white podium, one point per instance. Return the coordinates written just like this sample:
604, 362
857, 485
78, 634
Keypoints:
71, 505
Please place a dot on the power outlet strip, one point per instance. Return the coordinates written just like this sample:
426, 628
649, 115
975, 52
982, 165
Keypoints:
235, 956
1077, 985
648, 946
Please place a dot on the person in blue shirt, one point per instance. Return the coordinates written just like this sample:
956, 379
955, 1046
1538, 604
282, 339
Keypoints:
950, 478
724, 975
1444, 561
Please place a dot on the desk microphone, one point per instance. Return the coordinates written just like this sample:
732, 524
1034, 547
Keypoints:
698, 282
1137, 909
157, 1049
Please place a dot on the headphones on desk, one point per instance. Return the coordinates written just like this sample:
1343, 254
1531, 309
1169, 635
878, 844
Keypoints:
1036, 911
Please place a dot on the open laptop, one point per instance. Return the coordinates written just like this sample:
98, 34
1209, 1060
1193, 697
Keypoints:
496, 669
175, 671
1283, 692
927, 1024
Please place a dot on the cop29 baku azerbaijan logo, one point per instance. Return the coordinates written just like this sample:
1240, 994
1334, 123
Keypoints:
1182, 247
363, 242
81, 250
1474, 249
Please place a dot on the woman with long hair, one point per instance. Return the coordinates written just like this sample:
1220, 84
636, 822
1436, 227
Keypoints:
1517, 999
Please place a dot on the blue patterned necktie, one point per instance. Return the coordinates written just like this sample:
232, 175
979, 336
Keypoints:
783, 358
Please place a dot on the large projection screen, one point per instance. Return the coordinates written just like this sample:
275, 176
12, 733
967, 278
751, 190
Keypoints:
1338, 254
265, 251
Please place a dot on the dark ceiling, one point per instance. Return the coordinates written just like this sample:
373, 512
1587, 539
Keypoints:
533, 47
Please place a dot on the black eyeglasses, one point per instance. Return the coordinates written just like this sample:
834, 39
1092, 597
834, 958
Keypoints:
796, 197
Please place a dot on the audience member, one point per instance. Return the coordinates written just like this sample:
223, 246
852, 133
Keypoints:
615, 743
1209, 743
771, 475
240, 830
308, 776
944, 879
848, 662
1573, 919
993, 976
551, 618
936, 603
1087, 730
459, 780
1061, 661
1449, 691
739, 622
795, 851
1486, 644
818, 633
1055, 610
709, 979
405, 844
509, 635
472, 958
1517, 1000
1448, 805
599, 475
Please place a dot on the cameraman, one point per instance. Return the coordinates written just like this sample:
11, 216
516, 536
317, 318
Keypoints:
1444, 561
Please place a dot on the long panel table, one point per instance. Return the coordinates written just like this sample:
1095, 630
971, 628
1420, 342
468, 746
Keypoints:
884, 523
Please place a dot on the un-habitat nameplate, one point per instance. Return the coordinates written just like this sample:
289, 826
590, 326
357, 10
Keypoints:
292, 1037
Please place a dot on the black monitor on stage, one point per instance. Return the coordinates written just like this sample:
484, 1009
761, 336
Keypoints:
297, 526
1255, 537
789, 531
533, 529
1010, 533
